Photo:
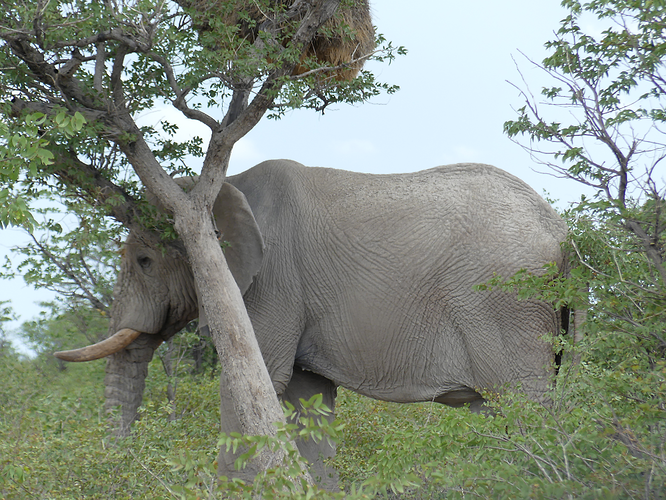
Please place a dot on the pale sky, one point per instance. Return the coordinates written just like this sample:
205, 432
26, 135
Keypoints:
453, 101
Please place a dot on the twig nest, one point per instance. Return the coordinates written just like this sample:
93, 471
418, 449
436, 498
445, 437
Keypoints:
343, 40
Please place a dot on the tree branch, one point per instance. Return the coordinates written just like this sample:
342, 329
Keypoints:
649, 248
179, 102
117, 93
219, 150
100, 68
48, 74
67, 271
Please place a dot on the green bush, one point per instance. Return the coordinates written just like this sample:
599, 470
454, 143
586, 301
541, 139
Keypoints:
591, 443
54, 441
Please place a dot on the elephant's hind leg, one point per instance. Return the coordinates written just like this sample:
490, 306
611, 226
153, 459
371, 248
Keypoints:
305, 384
462, 397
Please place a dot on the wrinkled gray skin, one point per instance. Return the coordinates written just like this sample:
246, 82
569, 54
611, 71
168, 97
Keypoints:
365, 282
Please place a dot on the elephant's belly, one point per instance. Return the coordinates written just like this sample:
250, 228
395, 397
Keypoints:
449, 392
457, 397
430, 344
404, 370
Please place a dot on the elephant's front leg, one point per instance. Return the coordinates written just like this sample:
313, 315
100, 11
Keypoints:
305, 384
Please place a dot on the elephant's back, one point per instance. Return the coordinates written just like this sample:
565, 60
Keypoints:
473, 207
476, 209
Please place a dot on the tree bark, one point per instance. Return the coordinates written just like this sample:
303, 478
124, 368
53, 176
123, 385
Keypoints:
245, 375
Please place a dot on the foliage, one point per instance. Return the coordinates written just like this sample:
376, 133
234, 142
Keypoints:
62, 328
584, 446
24, 151
77, 75
613, 89
612, 86
47, 411
79, 264
54, 441
611, 138
523, 451
608, 415
188, 353
6, 315
277, 482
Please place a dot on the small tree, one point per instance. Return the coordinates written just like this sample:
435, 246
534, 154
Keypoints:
6, 315
80, 264
613, 88
602, 124
76, 76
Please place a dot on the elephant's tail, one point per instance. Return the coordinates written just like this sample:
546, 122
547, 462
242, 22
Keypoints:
571, 323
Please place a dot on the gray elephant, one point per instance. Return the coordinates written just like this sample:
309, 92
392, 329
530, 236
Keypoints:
361, 281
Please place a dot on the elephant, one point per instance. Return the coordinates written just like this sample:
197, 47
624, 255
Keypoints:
361, 281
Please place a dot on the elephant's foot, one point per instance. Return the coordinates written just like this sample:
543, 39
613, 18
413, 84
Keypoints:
316, 454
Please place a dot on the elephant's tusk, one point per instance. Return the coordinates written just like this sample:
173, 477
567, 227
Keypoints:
119, 340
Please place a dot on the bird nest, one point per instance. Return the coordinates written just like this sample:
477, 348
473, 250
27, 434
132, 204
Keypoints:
342, 42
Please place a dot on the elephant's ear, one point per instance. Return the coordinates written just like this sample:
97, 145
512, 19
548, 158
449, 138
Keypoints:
243, 244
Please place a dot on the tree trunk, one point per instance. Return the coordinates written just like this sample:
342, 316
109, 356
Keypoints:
167, 364
247, 381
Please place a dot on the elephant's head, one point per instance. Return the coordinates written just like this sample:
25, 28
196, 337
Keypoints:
155, 297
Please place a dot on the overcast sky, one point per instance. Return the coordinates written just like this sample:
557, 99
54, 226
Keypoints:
453, 101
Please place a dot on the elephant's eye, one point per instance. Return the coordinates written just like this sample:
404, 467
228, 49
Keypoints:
144, 262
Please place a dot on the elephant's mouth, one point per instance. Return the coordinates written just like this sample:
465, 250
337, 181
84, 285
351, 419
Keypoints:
118, 341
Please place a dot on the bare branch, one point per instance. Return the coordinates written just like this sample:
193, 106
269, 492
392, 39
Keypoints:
179, 102
67, 271
100, 68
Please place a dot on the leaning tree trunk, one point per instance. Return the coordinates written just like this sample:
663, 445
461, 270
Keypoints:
245, 376
125, 380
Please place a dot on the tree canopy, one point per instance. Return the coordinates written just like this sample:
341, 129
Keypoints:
77, 76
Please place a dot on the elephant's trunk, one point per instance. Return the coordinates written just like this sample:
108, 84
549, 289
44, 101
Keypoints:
125, 379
